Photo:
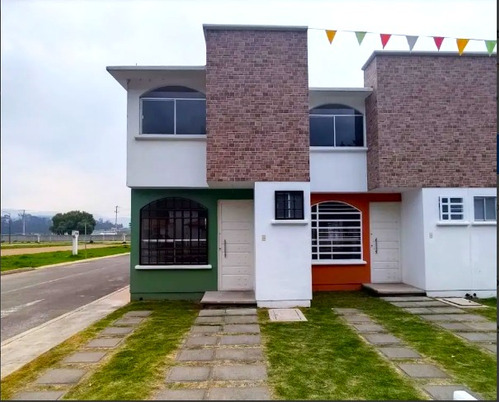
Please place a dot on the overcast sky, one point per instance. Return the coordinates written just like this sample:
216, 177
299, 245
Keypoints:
63, 117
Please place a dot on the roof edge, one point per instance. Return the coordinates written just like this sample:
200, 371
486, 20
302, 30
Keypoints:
406, 53
233, 27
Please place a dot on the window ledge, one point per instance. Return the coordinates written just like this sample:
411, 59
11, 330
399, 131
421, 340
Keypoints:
451, 223
338, 149
170, 137
484, 223
162, 267
290, 222
339, 262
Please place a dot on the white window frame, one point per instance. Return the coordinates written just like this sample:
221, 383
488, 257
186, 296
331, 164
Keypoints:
315, 220
446, 203
484, 208
175, 113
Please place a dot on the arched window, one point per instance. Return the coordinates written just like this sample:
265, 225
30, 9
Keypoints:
174, 232
336, 232
173, 110
336, 126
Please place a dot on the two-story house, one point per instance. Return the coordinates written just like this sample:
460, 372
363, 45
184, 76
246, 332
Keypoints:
244, 178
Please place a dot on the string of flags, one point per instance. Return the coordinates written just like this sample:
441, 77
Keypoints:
412, 40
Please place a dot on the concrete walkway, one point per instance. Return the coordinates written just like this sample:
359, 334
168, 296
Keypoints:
220, 359
433, 380
469, 327
25, 347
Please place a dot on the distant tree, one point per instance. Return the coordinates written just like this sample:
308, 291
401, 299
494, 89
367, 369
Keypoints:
72, 220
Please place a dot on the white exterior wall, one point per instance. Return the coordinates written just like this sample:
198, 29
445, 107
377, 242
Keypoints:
282, 250
412, 239
338, 169
461, 257
159, 161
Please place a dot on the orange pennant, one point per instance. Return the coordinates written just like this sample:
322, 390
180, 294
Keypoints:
385, 38
330, 35
461, 43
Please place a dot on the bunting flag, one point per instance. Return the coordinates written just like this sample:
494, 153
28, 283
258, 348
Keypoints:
330, 34
438, 40
360, 36
385, 38
461, 43
490, 45
411, 41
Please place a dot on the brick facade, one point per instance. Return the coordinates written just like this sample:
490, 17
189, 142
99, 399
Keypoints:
257, 104
431, 120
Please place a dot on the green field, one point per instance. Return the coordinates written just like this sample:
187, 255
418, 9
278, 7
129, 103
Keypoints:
11, 262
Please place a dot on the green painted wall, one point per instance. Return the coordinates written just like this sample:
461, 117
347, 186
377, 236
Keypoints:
178, 283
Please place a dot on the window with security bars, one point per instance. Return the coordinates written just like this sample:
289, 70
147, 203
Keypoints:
289, 205
174, 232
451, 208
336, 232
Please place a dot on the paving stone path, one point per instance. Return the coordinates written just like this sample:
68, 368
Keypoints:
430, 378
220, 359
471, 327
56, 382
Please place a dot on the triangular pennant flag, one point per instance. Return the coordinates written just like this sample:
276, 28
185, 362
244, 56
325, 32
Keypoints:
490, 45
461, 43
385, 38
411, 41
360, 36
438, 40
330, 35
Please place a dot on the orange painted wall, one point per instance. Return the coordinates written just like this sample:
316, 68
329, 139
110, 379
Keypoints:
349, 277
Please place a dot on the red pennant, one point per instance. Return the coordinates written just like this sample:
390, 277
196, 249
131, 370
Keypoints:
438, 40
385, 38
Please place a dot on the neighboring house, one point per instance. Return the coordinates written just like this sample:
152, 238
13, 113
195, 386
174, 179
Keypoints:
244, 178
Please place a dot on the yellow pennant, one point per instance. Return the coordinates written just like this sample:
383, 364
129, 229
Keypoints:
330, 35
461, 43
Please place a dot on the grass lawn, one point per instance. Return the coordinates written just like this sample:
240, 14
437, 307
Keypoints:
138, 366
55, 257
340, 366
491, 312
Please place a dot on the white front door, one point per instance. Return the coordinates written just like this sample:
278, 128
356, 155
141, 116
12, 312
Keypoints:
236, 245
385, 218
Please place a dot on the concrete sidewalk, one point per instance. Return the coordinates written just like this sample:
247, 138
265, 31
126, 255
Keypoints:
25, 347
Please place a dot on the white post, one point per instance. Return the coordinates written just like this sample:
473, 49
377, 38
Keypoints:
75, 234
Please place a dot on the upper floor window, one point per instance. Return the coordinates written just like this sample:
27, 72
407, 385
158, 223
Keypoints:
173, 110
485, 208
336, 125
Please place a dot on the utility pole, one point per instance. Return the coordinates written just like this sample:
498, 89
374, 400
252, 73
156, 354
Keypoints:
116, 219
24, 222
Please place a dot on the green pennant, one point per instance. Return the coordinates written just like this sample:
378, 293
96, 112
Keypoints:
360, 36
490, 45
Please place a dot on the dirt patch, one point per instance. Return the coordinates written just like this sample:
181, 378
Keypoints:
19, 251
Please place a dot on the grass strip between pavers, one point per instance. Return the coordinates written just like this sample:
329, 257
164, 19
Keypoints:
10, 262
467, 363
325, 359
491, 313
30, 372
138, 368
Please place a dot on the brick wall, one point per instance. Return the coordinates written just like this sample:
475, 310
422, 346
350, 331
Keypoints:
431, 121
257, 105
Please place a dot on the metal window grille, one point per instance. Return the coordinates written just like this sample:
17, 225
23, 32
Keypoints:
336, 232
174, 232
289, 205
451, 208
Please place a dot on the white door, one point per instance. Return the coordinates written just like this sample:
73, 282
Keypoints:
236, 245
385, 220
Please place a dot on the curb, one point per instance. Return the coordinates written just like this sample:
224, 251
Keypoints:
23, 334
26, 269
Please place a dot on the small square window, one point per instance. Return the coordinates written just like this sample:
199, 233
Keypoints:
451, 209
289, 205
485, 208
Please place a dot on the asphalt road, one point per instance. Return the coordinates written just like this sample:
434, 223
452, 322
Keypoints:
32, 298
